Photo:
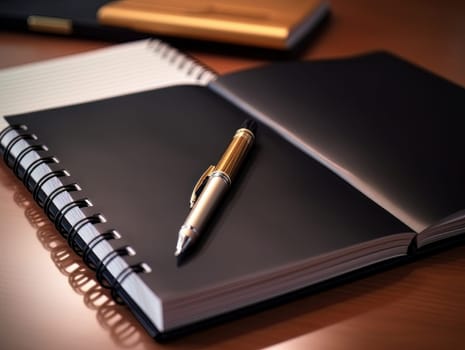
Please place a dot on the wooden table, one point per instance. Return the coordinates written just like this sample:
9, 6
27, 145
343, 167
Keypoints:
49, 300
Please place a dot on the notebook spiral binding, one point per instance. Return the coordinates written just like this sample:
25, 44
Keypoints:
182, 61
21, 134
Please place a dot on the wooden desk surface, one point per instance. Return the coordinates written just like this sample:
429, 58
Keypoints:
49, 300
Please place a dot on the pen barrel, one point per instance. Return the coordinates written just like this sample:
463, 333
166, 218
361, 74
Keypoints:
234, 155
218, 179
215, 188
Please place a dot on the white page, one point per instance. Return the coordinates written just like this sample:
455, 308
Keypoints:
113, 71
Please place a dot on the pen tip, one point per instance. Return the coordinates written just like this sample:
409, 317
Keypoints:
182, 245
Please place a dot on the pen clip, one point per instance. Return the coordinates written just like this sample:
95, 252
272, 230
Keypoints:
200, 184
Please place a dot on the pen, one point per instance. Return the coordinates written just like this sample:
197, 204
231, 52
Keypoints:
213, 185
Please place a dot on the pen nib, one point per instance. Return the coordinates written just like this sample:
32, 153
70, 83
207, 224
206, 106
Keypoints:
183, 242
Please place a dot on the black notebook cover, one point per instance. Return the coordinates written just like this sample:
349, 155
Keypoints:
75, 17
392, 129
137, 157
81, 18
291, 219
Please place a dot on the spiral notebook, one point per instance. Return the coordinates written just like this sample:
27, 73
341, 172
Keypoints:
329, 190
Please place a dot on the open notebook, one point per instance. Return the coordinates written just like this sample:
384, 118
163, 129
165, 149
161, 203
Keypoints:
358, 161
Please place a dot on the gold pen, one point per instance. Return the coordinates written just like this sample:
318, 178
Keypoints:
212, 186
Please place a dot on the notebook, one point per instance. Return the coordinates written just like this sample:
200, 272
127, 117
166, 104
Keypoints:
357, 163
275, 25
